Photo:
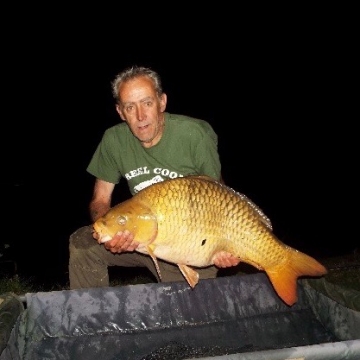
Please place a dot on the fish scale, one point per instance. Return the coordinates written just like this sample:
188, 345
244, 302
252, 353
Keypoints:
189, 221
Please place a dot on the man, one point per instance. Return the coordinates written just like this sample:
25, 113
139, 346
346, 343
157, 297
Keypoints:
151, 145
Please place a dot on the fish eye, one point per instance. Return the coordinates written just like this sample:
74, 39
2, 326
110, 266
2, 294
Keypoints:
121, 220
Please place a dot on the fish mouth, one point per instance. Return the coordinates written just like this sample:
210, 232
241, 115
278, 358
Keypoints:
99, 236
104, 239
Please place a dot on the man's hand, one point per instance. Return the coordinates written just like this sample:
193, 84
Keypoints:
122, 241
224, 259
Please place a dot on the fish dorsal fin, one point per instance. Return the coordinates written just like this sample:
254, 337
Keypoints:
203, 177
263, 217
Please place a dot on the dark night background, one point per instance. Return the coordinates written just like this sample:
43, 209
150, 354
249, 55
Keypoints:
281, 99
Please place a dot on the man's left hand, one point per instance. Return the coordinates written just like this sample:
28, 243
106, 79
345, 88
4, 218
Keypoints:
224, 259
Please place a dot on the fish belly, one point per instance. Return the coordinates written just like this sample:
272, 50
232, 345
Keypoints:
194, 251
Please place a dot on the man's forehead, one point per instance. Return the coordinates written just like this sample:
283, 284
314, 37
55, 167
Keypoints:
141, 100
136, 90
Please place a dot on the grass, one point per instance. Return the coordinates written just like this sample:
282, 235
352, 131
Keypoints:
343, 271
15, 284
20, 285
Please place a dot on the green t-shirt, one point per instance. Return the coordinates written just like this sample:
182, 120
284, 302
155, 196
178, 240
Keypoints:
188, 146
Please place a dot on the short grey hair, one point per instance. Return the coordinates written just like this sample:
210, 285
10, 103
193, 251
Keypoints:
133, 72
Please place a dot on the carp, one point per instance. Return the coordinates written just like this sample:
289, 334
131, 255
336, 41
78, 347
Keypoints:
188, 220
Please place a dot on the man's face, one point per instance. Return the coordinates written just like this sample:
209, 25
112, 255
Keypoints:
142, 110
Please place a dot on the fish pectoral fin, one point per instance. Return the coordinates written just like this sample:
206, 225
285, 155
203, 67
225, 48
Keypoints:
191, 276
146, 227
151, 253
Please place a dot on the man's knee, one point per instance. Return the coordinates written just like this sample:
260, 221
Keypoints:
171, 272
82, 238
210, 272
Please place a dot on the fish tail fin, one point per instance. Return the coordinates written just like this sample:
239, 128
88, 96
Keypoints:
284, 275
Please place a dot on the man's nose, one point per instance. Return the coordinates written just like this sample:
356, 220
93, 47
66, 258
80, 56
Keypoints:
140, 114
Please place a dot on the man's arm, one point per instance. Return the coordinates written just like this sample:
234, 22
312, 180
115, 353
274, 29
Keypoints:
101, 201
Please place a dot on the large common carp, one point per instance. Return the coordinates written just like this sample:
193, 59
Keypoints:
188, 220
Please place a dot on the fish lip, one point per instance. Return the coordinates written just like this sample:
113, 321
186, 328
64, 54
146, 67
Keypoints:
101, 238
104, 238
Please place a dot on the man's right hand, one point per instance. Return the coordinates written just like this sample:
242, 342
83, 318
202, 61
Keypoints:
122, 241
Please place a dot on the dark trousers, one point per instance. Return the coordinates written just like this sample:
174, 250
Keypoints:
89, 261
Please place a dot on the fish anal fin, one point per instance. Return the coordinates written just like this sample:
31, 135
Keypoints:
191, 276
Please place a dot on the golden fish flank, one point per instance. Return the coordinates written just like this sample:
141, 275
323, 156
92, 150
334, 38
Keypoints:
188, 220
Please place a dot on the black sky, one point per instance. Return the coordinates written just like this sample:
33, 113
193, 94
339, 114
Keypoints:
282, 102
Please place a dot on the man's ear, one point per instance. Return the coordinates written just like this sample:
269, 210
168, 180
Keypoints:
119, 111
163, 102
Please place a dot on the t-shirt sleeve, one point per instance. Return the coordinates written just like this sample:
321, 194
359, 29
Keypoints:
102, 164
207, 155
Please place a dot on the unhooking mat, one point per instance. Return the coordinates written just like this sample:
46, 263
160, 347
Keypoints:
237, 317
